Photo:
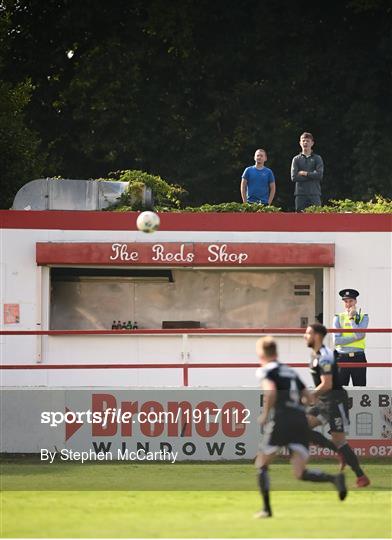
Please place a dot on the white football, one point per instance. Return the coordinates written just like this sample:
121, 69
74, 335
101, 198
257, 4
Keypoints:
148, 222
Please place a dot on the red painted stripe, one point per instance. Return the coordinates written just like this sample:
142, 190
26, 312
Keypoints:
291, 364
173, 366
174, 331
185, 375
189, 221
192, 254
90, 366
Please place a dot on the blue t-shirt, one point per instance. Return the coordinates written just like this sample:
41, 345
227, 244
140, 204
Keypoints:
258, 183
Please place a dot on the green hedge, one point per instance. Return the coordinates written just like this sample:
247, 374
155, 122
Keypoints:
378, 205
233, 207
223, 207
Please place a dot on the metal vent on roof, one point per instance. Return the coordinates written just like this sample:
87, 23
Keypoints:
65, 194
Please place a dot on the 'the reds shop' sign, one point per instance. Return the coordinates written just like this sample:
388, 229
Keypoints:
186, 254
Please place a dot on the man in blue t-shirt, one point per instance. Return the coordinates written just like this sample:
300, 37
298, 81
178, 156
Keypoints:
258, 182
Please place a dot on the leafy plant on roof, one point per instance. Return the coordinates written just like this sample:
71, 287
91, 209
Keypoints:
378, 205
166, 196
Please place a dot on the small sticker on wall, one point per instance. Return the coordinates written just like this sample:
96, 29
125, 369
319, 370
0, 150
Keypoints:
11, 313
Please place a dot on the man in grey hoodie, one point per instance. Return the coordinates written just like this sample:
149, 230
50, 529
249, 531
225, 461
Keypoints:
307, 171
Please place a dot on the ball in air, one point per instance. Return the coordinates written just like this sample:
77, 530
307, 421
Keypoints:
148, 222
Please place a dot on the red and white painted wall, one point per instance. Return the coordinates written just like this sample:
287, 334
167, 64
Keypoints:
204, 251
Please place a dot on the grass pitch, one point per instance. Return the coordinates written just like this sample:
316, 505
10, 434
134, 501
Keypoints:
200, 511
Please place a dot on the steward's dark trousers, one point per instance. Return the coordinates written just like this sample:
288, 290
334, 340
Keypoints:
358, 375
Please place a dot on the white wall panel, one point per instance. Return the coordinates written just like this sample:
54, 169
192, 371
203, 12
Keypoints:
363, 261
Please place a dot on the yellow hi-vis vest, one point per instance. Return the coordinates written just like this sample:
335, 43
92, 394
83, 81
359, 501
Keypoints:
345, 322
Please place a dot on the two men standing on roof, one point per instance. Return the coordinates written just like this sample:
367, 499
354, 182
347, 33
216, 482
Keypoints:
307, 169
350, 344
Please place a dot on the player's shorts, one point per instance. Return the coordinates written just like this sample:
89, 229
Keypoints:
334, 412
290, 429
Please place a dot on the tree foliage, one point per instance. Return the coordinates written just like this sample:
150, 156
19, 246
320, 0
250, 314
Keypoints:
20, 157
187, 90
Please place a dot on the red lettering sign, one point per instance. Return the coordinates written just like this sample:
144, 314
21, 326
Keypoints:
185, 254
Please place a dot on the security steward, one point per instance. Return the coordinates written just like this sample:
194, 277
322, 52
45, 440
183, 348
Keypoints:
350, 345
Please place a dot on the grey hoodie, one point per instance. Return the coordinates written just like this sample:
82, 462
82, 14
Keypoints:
307, 185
